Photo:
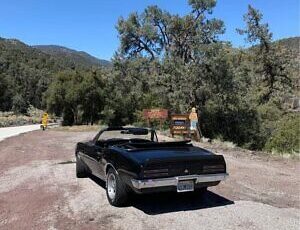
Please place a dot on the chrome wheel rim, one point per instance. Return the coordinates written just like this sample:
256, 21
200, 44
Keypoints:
111, 186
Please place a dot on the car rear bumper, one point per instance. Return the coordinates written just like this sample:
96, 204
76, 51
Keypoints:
173, 181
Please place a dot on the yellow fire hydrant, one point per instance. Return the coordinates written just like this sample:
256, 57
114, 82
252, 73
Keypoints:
44, 121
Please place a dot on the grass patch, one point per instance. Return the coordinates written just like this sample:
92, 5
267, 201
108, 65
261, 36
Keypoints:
225, 144
78, 128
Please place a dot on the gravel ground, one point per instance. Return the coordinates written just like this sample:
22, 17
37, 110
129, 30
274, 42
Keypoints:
39, 190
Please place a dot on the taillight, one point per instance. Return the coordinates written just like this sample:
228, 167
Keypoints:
213, 168
155, 173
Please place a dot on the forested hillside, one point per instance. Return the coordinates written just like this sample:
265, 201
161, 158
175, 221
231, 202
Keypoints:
174, 62
78, 57
292, 44
26, 72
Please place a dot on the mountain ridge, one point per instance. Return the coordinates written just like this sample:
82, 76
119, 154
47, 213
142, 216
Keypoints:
72, 54
59, 52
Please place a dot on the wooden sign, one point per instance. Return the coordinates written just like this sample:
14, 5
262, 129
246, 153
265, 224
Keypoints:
155, 114
180, 124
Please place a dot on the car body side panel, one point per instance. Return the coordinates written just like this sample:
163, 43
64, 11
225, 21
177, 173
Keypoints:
92, 156
124, 165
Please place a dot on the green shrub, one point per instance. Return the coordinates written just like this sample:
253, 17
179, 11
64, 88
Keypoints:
19, 104
269, 115
286, 138
34, 112
239, 124
17, 120
68, 117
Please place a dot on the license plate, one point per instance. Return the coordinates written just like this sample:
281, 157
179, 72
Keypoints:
185, 186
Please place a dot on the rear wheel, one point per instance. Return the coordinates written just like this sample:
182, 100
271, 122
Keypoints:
116, 190
80, 168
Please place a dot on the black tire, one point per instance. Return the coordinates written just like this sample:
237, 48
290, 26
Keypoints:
121, 191
80, 168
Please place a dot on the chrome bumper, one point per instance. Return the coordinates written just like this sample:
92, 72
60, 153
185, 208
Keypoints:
173, 181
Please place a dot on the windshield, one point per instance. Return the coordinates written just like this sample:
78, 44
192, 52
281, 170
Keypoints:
117, 134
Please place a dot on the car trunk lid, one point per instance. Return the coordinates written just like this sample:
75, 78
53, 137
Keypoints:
178, 161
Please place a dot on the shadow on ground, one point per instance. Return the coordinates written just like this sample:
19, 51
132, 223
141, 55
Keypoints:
98, 181
66, 162
158, 203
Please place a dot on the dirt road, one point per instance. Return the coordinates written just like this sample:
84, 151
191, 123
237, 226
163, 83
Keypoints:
39, 190
13, 131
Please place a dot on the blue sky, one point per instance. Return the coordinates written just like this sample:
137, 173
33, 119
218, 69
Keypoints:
89, 25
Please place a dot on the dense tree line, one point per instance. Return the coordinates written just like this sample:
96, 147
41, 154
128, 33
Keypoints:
26, 72
176, 62
76, 95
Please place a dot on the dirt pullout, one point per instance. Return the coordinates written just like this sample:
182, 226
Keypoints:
264, 179
39, 190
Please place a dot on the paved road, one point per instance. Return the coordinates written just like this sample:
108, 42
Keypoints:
13, 131
39, 190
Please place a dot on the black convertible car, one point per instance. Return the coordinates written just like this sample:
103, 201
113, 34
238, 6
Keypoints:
132, 159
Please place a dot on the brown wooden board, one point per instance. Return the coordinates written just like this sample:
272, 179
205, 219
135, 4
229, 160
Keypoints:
180, 124
155, 114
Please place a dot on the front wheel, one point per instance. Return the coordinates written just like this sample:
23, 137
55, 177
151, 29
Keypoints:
116, 190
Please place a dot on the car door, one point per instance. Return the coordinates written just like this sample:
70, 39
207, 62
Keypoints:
95, 155
86, 154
